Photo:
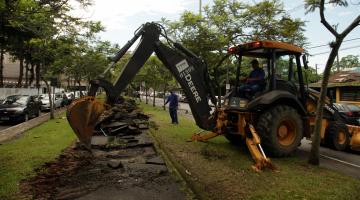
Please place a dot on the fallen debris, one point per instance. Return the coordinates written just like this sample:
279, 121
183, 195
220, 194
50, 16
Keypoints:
115, 166
157, 161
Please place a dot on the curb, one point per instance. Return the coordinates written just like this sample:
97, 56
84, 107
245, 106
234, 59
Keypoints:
175, 168
14, 132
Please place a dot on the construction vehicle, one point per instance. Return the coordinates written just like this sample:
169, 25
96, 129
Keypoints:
273, 120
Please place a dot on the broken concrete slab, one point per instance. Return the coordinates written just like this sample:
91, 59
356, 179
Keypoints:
99, 140
115, 164
156, 161
115, 124
151, 170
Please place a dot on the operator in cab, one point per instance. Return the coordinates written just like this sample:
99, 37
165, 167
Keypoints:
254, 82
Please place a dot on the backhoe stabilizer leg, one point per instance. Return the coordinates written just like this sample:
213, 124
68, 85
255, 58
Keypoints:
258, 154
203, 137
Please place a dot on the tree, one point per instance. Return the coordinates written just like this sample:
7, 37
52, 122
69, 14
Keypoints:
349, 61
227, 23
312, 5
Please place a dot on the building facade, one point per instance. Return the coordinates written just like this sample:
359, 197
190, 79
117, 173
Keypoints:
343, 87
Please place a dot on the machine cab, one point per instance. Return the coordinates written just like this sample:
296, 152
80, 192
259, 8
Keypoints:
281, 63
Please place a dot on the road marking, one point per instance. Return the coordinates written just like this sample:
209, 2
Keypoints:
341, 161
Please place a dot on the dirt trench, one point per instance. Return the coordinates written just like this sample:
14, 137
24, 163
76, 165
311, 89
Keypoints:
122, 166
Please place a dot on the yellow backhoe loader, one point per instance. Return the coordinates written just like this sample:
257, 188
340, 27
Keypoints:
273, 119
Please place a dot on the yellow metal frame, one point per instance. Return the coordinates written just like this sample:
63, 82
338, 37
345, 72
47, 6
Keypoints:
252, 140
355, 137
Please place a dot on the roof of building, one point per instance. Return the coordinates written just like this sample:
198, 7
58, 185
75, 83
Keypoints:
343, 78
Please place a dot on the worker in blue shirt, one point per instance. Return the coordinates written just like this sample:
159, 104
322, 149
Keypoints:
173, 106
254, 81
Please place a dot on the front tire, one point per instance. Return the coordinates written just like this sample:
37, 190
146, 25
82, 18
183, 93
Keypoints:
337, 136
281, 130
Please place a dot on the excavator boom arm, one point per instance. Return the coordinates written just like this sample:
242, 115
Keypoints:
189, 70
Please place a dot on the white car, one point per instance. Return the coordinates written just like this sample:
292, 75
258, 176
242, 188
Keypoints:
45, 103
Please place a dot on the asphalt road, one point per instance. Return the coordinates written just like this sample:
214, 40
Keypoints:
343, 162
5, 125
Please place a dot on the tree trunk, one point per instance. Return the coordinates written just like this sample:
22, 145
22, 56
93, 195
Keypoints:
2, 52
146, 95
21, 71
68, 82
48, 88
81, 93
314, 153
37, 71
31, 79
164, 98
27, 74
154, 96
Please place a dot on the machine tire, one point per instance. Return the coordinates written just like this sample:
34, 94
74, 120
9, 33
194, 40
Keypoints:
337, 136
281, 130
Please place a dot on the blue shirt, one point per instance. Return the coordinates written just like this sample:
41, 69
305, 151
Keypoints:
173, 99
257, 73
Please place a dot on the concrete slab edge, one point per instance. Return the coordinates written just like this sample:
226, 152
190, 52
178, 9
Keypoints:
19, 129
175, 168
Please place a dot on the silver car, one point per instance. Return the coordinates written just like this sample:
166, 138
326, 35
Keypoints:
45, 102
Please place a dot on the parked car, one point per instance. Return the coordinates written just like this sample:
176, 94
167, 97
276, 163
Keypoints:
350, 113
182, 98
16, 108
45, 102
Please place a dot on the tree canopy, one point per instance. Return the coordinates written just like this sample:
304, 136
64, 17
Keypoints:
227, 23
45, 36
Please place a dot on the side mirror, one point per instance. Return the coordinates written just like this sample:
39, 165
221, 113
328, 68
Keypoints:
305, 61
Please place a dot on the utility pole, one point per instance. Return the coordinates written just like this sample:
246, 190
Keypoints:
200, 2
316, 69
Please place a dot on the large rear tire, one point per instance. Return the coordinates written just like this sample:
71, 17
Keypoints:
281, 130
337, 136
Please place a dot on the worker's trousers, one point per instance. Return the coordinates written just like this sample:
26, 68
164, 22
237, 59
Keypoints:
173, 115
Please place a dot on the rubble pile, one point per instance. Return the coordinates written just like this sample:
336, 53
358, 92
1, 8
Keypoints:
122, 119
122, 164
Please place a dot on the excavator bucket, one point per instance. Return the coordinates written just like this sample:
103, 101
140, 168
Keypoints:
83, 115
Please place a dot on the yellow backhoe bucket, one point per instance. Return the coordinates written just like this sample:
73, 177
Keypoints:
83, 115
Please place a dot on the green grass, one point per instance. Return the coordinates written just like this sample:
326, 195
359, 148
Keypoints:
220, 170
20, 157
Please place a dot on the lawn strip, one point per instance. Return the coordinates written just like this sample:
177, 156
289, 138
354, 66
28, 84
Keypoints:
222, 171
39, 145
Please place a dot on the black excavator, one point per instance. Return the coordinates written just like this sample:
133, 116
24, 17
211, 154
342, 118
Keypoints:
273, 117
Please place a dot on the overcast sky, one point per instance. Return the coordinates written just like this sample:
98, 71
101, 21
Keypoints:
121, 18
